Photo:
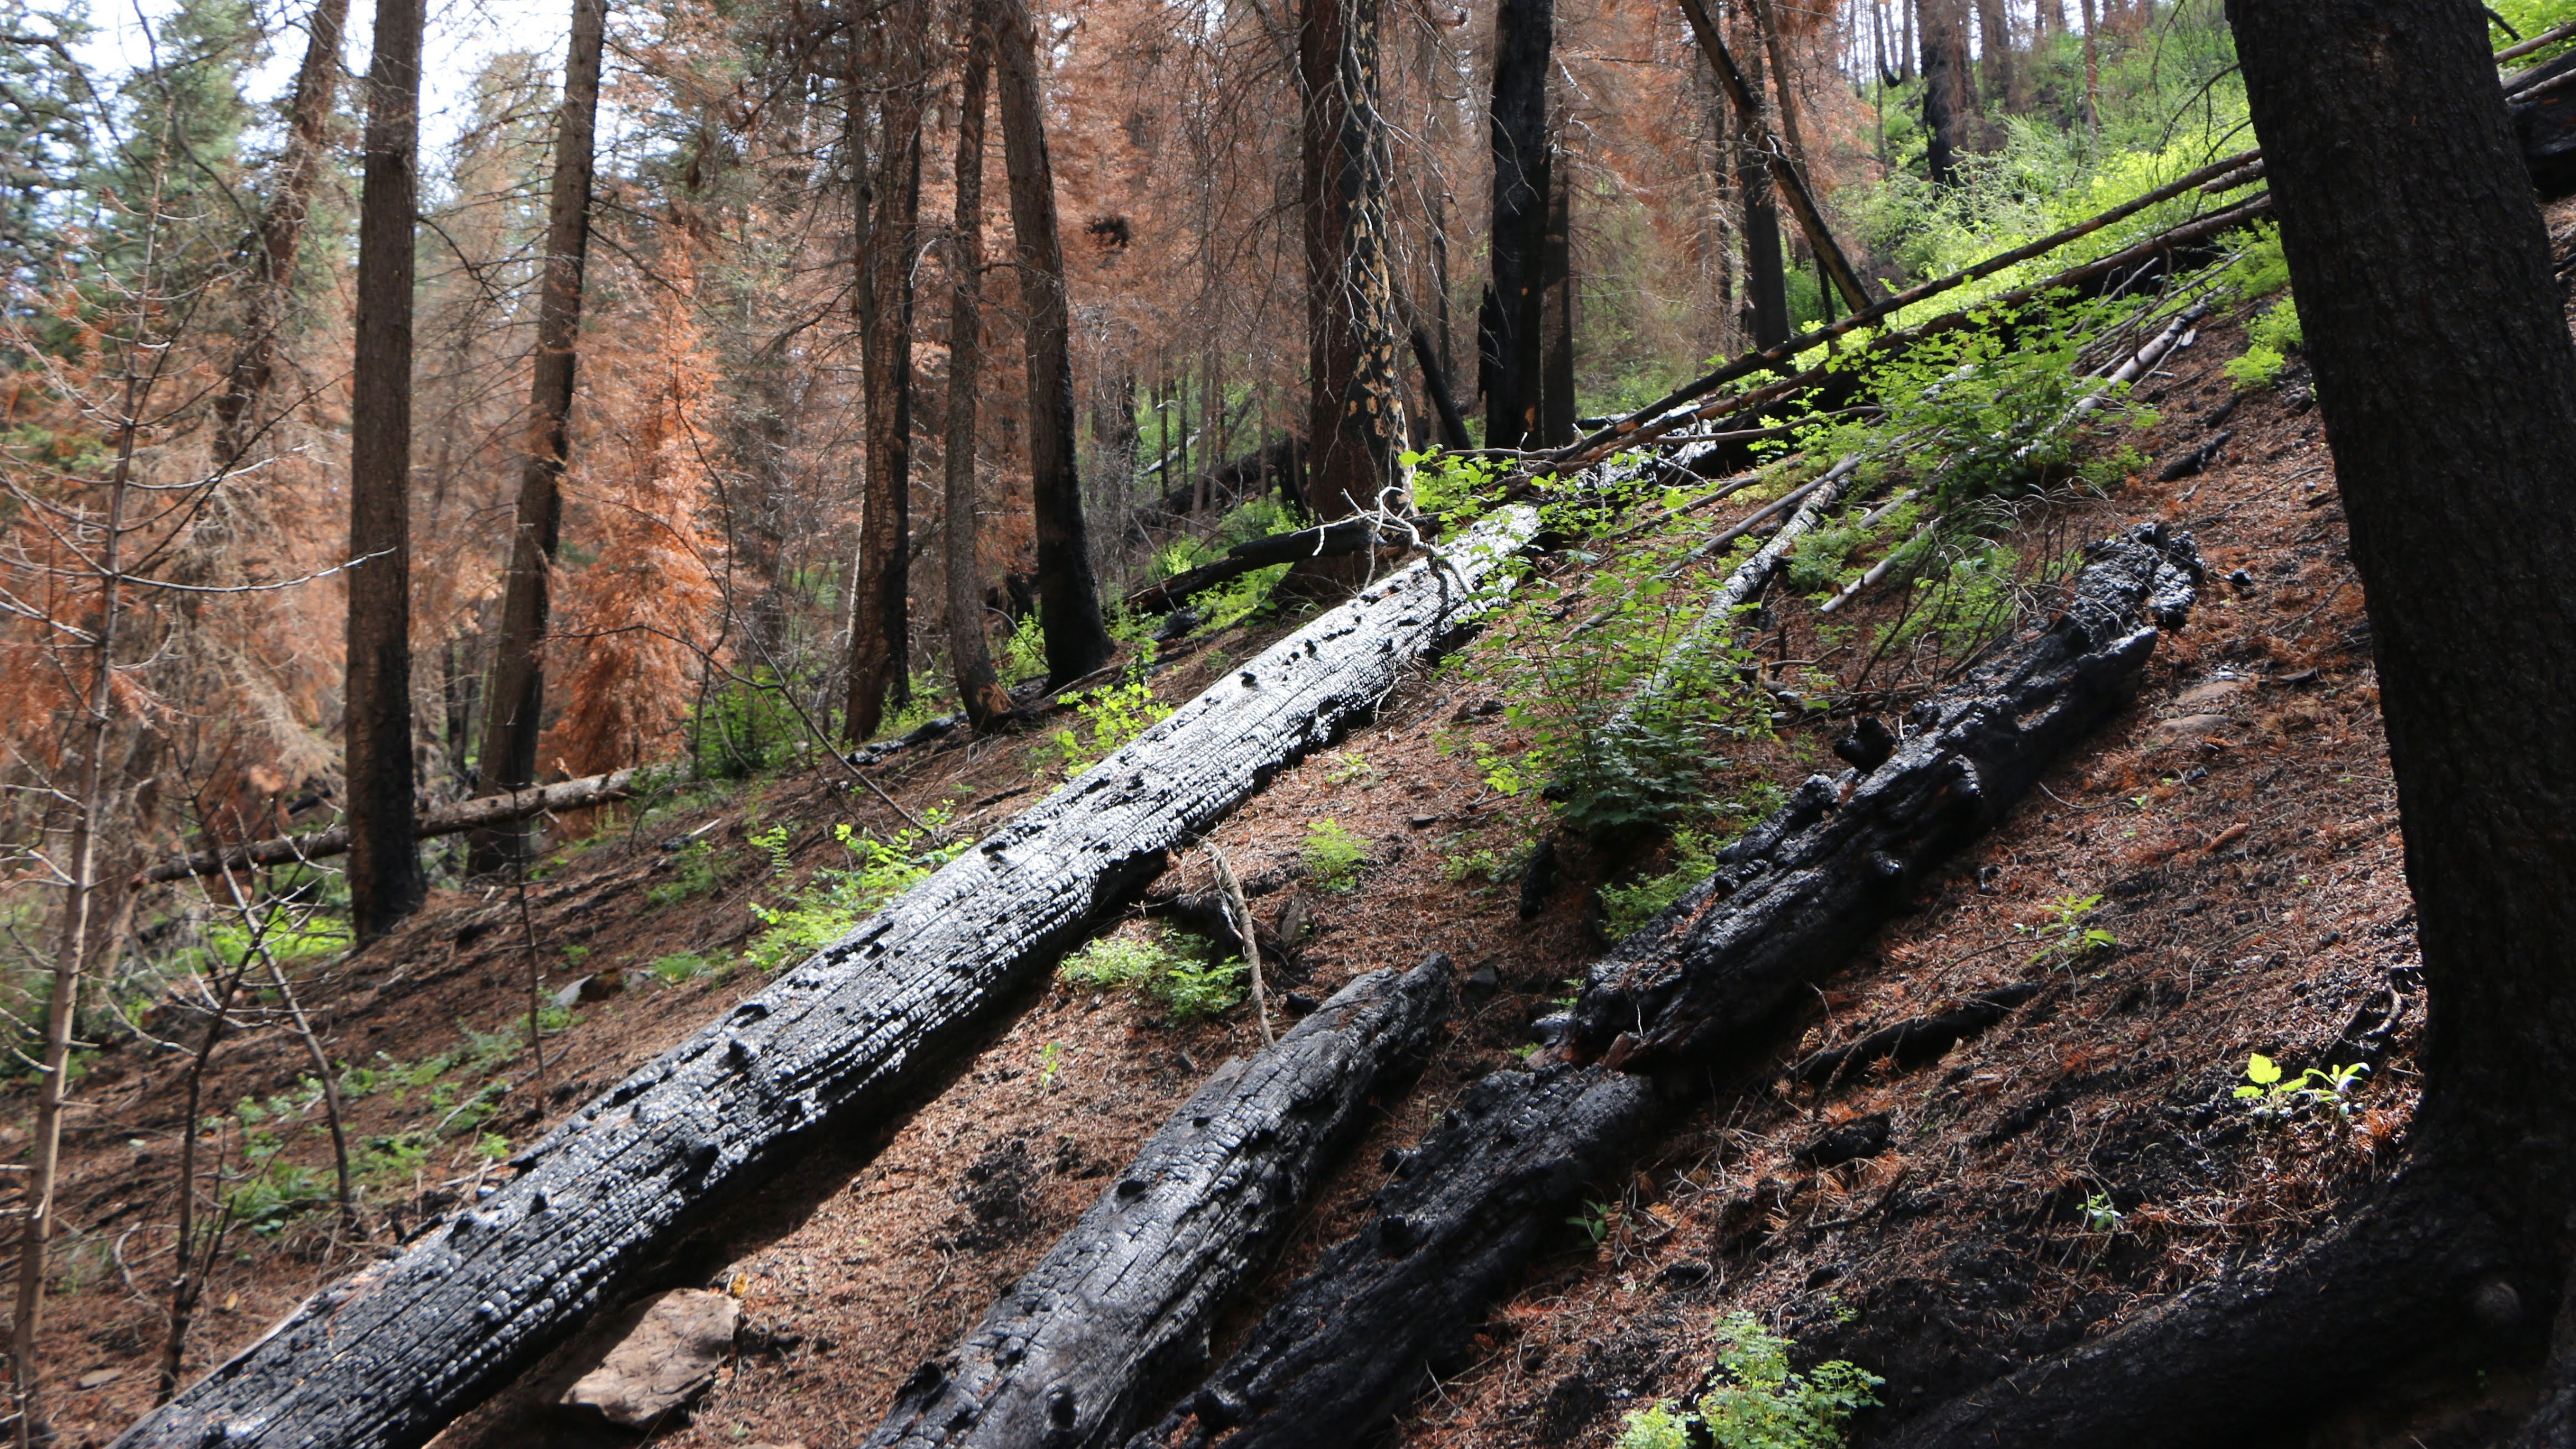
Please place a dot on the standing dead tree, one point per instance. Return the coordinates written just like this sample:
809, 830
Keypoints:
514, 709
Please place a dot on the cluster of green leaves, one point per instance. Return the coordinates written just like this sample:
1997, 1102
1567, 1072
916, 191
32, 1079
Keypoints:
2270, 338
1173, 969
1333, 855
2273, 1096
1625, 908
748, 726
682, 967
1110, 716
1759, 1401
1570, 656
836, 898
1023, 653
697, 868
2064, 938
1458, 490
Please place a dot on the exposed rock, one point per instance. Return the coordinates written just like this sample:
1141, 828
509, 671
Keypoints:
663, 1355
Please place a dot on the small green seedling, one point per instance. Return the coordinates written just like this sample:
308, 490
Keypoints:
1334, 855
2273, 1096
1350, 767
2101, 1217
2064, 938
1594, 1220
1050, 1062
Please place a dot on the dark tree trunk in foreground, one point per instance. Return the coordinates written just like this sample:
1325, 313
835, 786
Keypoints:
281, 238
889, 208
1524, 31
381, 1360
1355, 388
1949, 90
1088, 1344
385, 878
2411, 234
1077, 642
1556, 410
514, 708
1766, 282
970, 659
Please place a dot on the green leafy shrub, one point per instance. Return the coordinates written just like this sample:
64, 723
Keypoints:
836, 898
679, 968
2259, 367
1169, 968
1759, 1401
1334, 855
1111, 716
748, 727
1023, 653
1631, 906
697, 869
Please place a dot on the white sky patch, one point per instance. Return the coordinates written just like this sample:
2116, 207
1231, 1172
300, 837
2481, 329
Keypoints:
462, 36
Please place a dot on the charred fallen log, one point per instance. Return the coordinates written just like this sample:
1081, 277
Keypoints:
1911, 1043
385, 1357
1468, 1208
1799, 893
1094, 1338
1349, 535
1349, 1342
1274, 466
453, 819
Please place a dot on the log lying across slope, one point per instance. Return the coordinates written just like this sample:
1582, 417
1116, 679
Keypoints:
1091, 1341
453, 819
1347, 1344
385, 1357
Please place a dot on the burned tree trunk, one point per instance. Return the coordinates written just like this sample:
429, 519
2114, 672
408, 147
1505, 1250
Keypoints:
1800, 892
464, 815
979, 690
386, 882
1089, 1342
1508, 341
1348, 1343
1077, 641
1949, 90
889, 208
514, 706
385, 1357
1355, 396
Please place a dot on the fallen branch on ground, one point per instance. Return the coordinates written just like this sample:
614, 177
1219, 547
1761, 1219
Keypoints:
453, 819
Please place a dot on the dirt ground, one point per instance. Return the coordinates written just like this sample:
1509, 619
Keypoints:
2050, 1177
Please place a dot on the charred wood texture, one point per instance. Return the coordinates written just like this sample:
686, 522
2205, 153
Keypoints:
1091, 1341
1914, 1042
385, 1357
1492, 1184
1797, 894
1348, 1343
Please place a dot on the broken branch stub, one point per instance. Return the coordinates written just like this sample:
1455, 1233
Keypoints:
1099, 1334
388, 1355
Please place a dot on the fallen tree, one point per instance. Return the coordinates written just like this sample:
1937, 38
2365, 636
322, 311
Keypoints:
388, 1355
453, 819
1348, 1343
1090, 1341
1345, 536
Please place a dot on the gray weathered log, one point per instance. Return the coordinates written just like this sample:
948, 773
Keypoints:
453, 819
1799, 893
1348, 1343
1102, 1332
385, 1357
1489, 1187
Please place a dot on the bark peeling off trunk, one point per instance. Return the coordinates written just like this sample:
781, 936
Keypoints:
385, 1357
1794, 897
1346, 1345
1095, 1336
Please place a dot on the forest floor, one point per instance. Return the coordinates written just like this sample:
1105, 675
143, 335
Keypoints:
2057, 1174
